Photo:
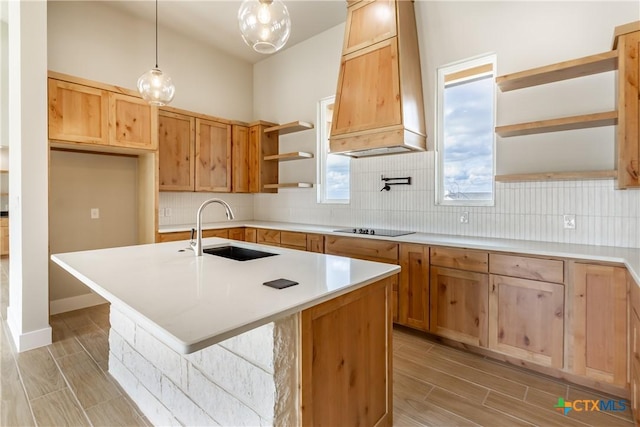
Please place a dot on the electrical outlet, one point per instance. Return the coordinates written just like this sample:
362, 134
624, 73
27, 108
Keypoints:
95, 213
160, 212
569, 221
167, 211
464, 218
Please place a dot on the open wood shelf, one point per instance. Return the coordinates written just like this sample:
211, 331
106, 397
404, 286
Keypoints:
290, 185
557, 176
593, 64
608, 118
289, 127
297, 155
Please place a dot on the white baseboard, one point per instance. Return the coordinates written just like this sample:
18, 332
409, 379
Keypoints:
63, 305
30, 340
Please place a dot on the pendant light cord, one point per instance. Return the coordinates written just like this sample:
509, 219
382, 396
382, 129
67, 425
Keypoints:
156, 33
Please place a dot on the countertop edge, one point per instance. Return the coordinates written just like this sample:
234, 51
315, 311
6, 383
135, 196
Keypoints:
612, 254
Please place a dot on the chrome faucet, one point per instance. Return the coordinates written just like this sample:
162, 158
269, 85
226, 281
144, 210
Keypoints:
197, 245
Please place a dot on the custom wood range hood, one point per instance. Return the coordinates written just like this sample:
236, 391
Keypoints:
379, 108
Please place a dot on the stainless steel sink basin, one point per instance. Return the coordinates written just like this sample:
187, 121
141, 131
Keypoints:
237, 253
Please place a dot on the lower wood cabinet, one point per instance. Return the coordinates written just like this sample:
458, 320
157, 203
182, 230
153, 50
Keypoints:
315, 243
599, 329
4, 236
268, 237
251, 235
526, 319
346, 359
459, 305
293, 240
236, 233
634, 347
413, 292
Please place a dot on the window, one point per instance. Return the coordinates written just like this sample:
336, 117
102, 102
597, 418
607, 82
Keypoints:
465, 137
333, 169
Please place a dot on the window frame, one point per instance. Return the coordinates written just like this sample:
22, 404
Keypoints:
441, 73
322, 151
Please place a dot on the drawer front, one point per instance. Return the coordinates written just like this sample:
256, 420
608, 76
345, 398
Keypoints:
236, 233
315, 243
374, 250
546, 270
268, 237
462, 259
250, 235
223, 233
173, 237
4, 222
293, 240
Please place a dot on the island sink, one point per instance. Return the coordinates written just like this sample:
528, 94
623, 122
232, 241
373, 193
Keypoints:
237, 253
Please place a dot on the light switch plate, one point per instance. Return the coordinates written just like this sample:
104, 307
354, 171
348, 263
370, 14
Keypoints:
95, 213
569, 221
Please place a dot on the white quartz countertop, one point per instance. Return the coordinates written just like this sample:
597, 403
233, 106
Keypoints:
192, 302
627, 256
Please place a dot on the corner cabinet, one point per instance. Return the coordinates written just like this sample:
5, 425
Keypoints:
285, 157
84, 114
599, 330
379, 106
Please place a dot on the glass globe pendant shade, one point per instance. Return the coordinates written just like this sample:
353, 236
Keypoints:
156, 87
264, 24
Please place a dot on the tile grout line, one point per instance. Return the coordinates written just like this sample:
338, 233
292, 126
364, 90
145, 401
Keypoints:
70, 388
5, 327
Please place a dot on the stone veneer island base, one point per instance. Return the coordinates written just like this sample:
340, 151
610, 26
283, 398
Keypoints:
327, 365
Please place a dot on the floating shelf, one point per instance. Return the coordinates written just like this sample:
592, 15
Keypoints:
594, 64
298, 155
557, 176
289, 127
608, 118
290, 185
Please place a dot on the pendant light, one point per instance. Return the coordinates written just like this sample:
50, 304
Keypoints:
264, 24
154, 86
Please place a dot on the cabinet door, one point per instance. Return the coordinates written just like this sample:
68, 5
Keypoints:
368, 95
600, 323
174, 237
293, 240
315, 243
526, 319
213, 156
4, 238
133, 123
78, 113
176, 141
240, 159
413, 296
635, 365
369, 22
220, 232
459, 305
629, 111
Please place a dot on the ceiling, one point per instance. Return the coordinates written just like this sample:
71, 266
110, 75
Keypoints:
214, 22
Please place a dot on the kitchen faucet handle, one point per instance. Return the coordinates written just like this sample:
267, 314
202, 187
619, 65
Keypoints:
193, 233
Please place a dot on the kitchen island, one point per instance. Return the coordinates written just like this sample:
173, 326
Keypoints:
201, 341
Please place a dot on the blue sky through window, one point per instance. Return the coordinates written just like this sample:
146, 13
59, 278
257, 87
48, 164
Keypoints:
468, 140
337, 178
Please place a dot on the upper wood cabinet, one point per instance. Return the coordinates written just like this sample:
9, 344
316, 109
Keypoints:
4, 236
176, 142
628, 139
78, 113
379, 107
81, 113
195, 152
261, 145
213, 156
240, 149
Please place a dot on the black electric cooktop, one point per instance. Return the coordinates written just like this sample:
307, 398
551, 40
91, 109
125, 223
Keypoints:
375, 231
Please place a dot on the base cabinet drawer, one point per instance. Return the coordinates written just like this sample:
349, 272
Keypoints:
268, 237
526, 319
545, 270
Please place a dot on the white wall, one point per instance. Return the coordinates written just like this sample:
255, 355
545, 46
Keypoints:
28, 314
523, 35
92, 40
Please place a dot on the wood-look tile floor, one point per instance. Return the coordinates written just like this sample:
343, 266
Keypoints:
67, 383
